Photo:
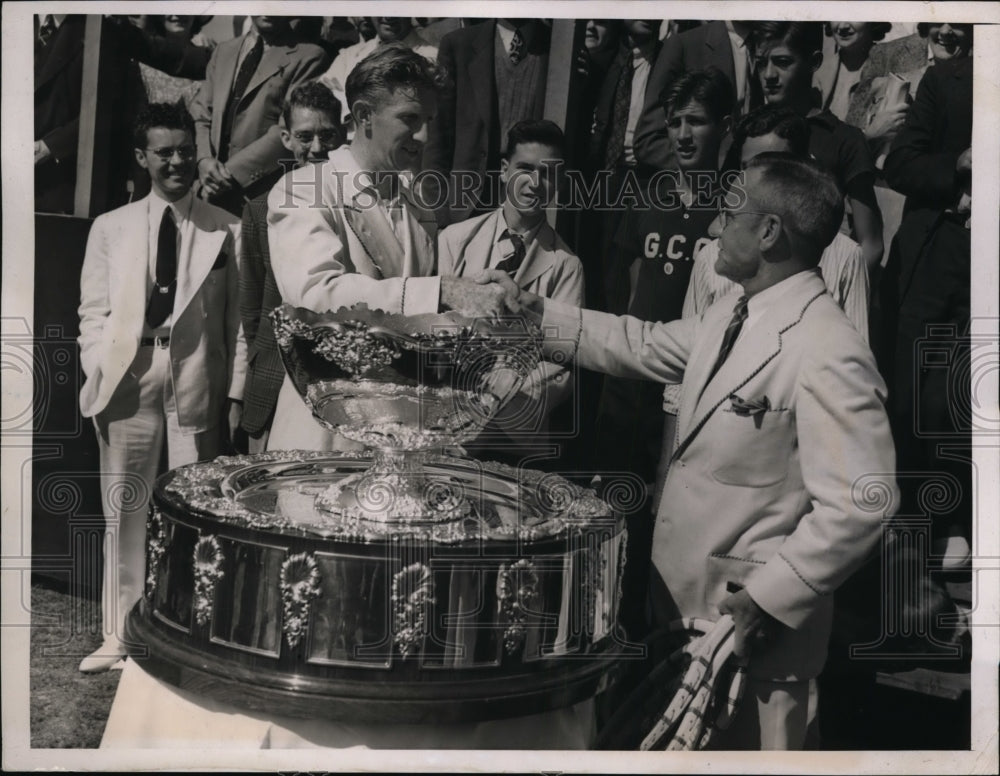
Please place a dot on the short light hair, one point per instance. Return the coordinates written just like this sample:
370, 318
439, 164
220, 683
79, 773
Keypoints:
390, 67
804, 195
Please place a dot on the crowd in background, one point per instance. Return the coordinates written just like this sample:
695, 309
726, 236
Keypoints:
885, 108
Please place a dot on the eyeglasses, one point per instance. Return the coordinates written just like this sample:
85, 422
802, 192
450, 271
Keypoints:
725, 215
326, 136
186, 153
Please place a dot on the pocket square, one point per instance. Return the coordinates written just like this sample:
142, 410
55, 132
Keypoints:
754, 408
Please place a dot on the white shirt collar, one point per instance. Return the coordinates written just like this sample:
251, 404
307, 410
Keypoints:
181, 208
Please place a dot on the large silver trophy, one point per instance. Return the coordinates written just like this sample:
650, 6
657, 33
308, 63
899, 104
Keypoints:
400, 582
403, 385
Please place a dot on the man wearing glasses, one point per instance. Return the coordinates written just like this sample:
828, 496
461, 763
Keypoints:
783, 441
160, 346
311, 130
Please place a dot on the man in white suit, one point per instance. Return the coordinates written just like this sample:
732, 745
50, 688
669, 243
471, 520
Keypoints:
517, 239
161, 347
352, 230
782, 441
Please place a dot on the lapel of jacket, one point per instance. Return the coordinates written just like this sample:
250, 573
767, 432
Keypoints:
274, 59
222, 83
199, 249
540, 256
66, 42
754, 351
477, 245
481, 71
384, 253
130, 264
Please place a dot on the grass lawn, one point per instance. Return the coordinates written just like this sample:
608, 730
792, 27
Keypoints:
68, 709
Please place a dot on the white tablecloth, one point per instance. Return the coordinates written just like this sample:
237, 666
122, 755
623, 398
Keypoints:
149, 714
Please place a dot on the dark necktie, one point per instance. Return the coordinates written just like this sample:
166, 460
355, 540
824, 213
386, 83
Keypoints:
247, 68
513, 263
161, 301
47, 28
732, 332
517, 46
619, 117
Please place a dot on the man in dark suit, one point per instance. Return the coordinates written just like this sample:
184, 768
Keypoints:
722, 45
238, 107
498, 72
926, 285
311, 130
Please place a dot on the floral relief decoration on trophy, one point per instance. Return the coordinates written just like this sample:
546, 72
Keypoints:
411, 598
300, 586
208, 560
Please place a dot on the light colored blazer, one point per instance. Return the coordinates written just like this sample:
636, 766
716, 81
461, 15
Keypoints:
207, 347
549, 269
332, 248
788, 501
255, 144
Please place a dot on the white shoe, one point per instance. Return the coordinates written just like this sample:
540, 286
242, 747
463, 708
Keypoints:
103, 658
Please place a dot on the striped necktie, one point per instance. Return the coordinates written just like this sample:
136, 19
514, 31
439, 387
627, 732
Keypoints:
732, 332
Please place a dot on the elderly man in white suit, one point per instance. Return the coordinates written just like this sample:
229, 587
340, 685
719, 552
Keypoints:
161, 347
352, 230
782, 438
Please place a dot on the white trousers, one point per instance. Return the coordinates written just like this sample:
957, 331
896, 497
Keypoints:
140, 418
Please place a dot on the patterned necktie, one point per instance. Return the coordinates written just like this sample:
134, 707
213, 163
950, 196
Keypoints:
161, 300
732, 332
511, 264
517, 46
47, 28
619, 117
247, 68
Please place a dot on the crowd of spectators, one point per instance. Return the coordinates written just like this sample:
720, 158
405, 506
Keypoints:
886, 110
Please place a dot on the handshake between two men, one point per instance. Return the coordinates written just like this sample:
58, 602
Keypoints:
490, 294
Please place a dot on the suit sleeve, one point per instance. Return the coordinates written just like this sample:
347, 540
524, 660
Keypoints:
236, 343
916, 165
848, 470
95, 304
201, 110
252, 270
621, 346
310, 258
262, 156
650, 143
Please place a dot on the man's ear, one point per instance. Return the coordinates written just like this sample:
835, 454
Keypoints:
361, 113
504, 166
773, 232
286, 138
140, 157
816, 60
726, 124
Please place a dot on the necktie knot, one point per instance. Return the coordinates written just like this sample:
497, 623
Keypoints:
516, 50
46, 28
512, 262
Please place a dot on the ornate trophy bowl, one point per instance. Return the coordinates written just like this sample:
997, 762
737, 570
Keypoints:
395, 584
401, 385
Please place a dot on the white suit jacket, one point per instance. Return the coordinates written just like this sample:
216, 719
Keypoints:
788, 500
331, 248
207, 347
